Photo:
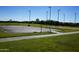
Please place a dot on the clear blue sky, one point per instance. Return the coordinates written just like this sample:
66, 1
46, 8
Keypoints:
20, 13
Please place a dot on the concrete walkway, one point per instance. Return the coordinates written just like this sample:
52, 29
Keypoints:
35, 36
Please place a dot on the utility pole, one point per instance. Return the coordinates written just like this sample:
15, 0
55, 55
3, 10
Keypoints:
50, 18
75, 17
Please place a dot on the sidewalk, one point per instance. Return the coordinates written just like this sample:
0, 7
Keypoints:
35, 36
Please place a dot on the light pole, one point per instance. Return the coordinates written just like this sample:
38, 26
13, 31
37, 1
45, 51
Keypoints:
58, 14
64, 18
46, 17
29, 16
50, 18
75, 17
41, 25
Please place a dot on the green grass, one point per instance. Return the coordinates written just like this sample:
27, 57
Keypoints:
49, 44
19, 24
5, 35
10, 24
2, 30
67, 29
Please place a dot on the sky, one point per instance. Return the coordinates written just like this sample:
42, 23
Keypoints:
21, 13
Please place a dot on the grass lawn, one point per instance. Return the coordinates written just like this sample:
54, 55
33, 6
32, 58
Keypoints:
5, 35
58, 43
66, 29
19, 24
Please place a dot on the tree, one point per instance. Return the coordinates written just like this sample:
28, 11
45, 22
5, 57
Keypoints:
10, 20
37, 20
